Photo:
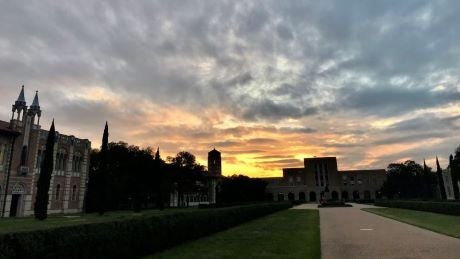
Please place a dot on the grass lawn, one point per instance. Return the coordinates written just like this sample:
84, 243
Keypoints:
285, 234
441, 223
8, 225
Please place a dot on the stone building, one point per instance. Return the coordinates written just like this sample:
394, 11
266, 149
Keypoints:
22, 146
321, 179
205, 189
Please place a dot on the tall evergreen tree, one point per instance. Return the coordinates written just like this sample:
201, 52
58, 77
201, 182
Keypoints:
103, 171
442, 189
43, 183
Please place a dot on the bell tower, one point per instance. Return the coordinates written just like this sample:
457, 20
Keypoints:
214, 162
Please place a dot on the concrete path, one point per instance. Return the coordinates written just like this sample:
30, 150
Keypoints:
352, 233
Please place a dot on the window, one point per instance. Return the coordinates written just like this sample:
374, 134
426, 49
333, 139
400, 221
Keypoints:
291, 179
58, 190
74, 192
61, 160
24, 156
2, 154
76, 162
298, 179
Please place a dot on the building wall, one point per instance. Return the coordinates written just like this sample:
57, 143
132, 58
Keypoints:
310, 182
28, 152
448, 186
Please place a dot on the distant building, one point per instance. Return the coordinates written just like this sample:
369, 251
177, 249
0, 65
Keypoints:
22, 147
214, 162
204, 191
320, 179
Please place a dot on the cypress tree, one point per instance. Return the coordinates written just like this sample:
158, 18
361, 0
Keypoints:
43, 183
103, 171
440, 180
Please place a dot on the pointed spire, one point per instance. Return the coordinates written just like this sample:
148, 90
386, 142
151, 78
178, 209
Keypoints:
35, 102
21, 97
157, 154
438, 167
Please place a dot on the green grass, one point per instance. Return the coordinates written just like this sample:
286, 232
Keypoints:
441, 223
8, 225
285, 234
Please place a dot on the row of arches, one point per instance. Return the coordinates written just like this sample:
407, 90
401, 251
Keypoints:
334, 195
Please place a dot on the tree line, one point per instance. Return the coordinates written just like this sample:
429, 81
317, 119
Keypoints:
410, 180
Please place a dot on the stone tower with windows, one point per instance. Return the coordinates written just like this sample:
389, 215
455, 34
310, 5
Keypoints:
214, 162
24, 156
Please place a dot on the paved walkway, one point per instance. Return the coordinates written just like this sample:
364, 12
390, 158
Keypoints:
352, 233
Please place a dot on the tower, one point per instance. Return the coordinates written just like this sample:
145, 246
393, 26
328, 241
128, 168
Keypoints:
19, 106
34, 109
214, 162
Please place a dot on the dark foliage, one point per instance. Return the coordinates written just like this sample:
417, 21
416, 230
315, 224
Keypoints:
43, 183
131, 180
102, 173
452, 208
137, 178
240, 188
129, 238
409, 180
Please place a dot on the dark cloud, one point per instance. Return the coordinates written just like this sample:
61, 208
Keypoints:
299, 66
395, 100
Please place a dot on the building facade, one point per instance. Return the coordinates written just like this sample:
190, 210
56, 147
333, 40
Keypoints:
205, 189
22, 146
320, 179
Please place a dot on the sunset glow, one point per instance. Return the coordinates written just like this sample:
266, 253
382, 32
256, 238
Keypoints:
266, 83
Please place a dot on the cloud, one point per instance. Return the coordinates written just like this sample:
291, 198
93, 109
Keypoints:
264, 77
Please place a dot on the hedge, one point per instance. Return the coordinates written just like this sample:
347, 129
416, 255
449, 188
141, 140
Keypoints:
128, 238
444, 207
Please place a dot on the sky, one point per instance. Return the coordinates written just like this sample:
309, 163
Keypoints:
267, 83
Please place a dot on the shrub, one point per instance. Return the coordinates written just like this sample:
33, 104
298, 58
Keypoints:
452, 208
128, 238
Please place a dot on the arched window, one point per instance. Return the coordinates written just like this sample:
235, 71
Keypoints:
24, 155
76, 162
61, 160
74, 192
58, 191
2, 154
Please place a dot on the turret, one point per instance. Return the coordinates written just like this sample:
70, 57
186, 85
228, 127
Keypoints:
214, 162
34, 109
19, 106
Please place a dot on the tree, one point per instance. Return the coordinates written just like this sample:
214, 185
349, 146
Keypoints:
409, 180
185, 160
101, 178
43, 183
241, 188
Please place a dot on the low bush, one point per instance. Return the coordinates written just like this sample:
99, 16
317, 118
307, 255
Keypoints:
331, 204
444, 207
128, 238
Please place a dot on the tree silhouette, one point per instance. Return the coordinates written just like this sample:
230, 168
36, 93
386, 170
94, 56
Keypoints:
43, 183
409, 180
103, 171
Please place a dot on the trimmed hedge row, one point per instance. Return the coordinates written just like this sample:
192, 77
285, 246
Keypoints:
128, 238
452, 208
